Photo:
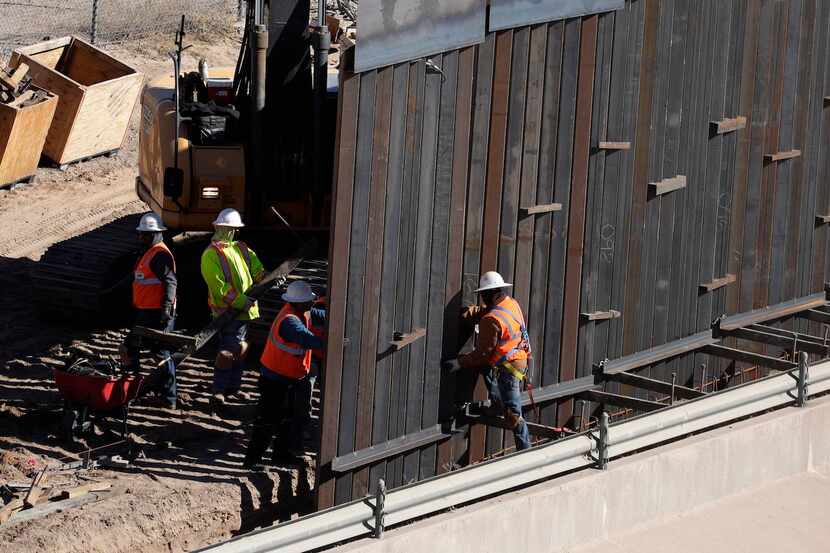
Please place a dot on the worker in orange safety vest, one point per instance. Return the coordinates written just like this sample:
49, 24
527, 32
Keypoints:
154, 286
502, 350
286, 364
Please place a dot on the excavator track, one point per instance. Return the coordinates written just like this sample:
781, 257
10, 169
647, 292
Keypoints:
72, 281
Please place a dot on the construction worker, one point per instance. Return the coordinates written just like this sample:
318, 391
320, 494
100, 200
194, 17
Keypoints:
230, 268
502, 350
286, 363
154, 299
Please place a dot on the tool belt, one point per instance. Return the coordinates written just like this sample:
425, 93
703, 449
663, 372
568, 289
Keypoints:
518, 373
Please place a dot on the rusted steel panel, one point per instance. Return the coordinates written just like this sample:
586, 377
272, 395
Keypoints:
506, 14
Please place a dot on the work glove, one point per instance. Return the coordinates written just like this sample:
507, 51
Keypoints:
249, 303
450, 365
167, 314
470, 312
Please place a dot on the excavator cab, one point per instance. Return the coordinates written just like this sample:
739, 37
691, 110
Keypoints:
258, 137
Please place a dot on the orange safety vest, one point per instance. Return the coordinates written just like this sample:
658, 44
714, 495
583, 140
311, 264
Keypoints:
318, 331
148, 290
286, 358
232, 293
513, 343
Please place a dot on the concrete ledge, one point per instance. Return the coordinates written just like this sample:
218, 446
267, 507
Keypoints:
641, 489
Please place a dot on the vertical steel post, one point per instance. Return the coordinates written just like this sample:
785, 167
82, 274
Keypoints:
673, 384
380, 506
93, 32
602, 449
322, 44
259, 62
803, 378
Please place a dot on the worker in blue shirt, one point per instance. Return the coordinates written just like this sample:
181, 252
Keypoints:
286, 363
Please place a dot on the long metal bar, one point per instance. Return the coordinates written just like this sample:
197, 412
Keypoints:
816, 316
788, 333
560, 390
749, 357
659, 353
653, 385
778, 340
369, 455
622, 401
473, 483
773, 312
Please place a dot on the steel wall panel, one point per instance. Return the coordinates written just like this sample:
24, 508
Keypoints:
395, 31
506, 14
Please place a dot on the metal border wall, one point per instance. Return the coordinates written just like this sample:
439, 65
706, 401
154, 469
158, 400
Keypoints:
358, 518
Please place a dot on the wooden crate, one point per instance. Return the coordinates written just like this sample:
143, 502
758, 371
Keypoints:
96, 96
23, 133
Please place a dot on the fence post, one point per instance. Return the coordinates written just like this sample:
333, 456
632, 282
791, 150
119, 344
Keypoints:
602, 448
803, 377
380, 507
94, 27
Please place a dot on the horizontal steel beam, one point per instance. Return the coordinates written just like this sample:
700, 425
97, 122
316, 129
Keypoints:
533, 429
789, 334
749, 357
659, 386
622, 401
379, 452
773, 312
561, 390
816, 316
778, 340
659, 353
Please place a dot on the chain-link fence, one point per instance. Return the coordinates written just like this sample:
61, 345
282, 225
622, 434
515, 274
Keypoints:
105, 21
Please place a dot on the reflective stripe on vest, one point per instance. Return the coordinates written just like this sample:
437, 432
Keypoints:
513, 342
284, 358
231, 294
148, 289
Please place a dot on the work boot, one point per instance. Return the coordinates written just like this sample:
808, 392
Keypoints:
217, 400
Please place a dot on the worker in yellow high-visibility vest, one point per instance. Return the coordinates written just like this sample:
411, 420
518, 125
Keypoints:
230, 268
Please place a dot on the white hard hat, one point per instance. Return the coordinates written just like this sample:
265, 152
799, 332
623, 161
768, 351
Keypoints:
491, 280
299, 291
150, 222
228, 217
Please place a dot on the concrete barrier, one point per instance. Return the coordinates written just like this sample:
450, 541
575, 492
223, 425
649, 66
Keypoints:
641, 489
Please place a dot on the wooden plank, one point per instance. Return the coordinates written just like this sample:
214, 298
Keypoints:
172, 338
10, 508
337, 283
667, 185
23, 132
540, 209
728, 125
455, 268
749, 357
718, 283
368, 340
386, 395
600, 315
78, 491
37, 488
546, 372
659, 386
781, 156
614, 145
577, 206
626, 402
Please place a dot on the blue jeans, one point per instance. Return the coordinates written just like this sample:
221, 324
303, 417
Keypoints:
230, 337
506, 390
162, 379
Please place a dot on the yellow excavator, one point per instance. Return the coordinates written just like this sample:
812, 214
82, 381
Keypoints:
258, 137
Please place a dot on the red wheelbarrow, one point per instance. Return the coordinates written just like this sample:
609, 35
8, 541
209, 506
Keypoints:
90, 397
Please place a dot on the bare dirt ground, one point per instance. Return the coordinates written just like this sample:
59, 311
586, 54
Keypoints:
186, 487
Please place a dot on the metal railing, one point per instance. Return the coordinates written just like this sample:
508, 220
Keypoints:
359, 518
